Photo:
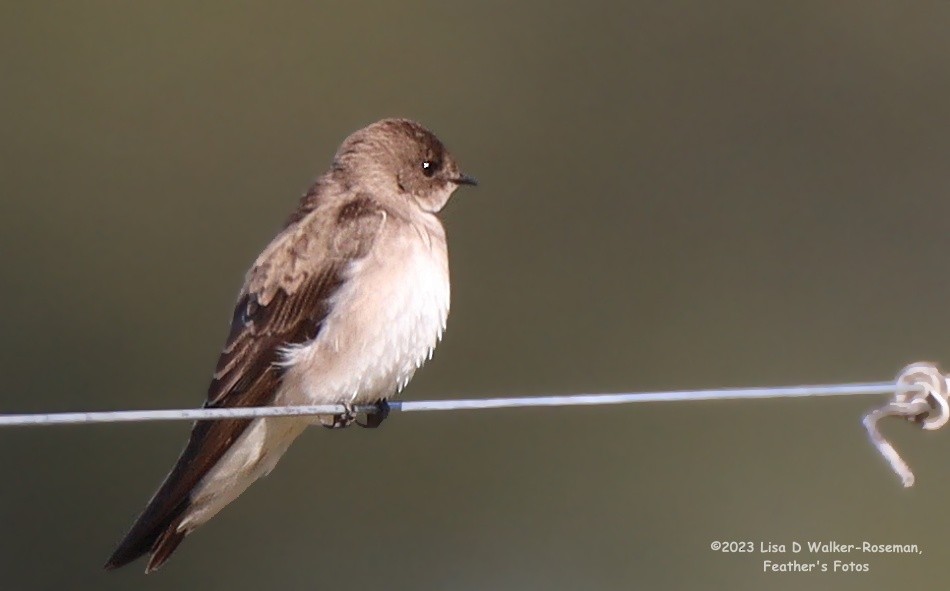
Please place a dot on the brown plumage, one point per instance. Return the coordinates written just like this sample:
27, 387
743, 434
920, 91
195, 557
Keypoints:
380, 173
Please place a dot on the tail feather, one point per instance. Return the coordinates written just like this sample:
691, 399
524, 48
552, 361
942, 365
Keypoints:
164, 546
156, 529
151, 534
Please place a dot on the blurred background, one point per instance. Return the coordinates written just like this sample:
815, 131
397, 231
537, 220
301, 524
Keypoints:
673, 195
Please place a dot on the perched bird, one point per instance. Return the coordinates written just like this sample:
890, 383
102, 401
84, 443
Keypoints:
342, 307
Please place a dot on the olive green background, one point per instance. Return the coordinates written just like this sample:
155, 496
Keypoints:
674, 195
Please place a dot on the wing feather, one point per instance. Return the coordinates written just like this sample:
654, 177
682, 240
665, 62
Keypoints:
285, 300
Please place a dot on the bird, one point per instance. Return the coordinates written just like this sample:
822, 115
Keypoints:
342, 307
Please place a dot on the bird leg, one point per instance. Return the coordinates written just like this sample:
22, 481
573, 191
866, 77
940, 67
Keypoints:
375, 419
338, 421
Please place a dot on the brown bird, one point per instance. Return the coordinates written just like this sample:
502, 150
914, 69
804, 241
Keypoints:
342, 307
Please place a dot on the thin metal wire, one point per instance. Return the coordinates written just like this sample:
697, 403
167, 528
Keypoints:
127, 416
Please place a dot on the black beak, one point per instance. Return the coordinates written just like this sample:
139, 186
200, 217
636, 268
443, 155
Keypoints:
464, 179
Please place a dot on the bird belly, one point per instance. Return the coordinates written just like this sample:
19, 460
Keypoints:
385, 323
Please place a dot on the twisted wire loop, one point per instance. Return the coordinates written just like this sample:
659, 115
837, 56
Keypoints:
920, 397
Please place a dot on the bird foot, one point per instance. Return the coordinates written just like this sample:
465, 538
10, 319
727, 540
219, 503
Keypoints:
375, 419
339, 421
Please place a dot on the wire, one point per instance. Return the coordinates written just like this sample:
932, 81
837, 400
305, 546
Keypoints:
920, 394
134, 416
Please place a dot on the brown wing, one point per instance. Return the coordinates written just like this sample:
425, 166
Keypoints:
285, 301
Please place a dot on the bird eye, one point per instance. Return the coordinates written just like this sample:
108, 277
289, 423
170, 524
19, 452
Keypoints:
428, 168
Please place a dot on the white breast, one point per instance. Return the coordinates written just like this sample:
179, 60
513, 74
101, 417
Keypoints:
384, 322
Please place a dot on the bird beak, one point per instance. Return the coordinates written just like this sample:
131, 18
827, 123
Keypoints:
464, 179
